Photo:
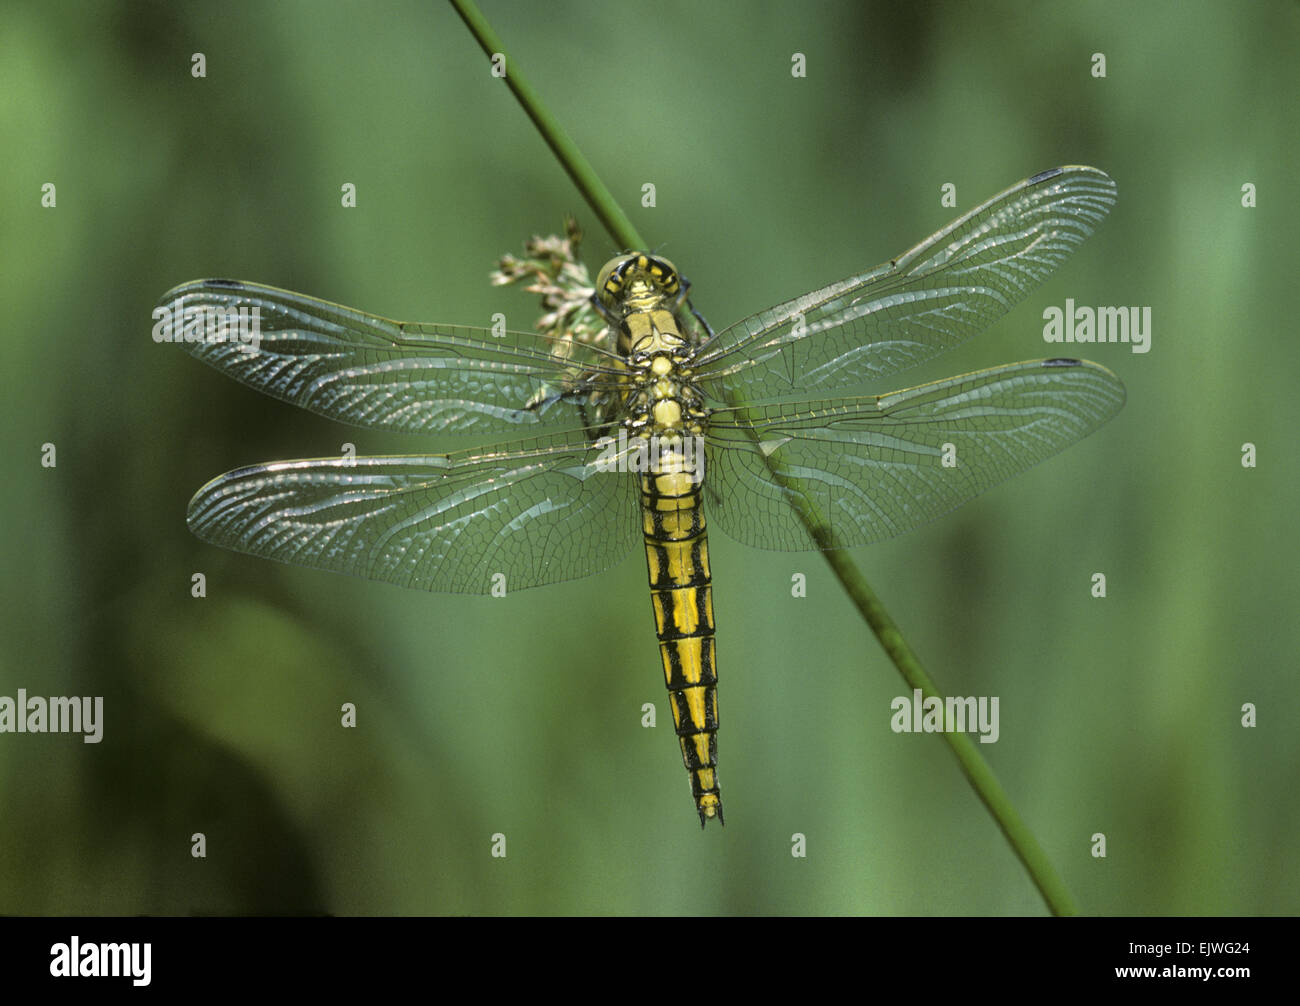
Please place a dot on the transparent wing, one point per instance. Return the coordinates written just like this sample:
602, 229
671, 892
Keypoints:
369, 371
874, 467
537, 511
950, 286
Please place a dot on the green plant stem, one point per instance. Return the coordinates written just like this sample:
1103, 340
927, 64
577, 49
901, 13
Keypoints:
976, 769
985, 783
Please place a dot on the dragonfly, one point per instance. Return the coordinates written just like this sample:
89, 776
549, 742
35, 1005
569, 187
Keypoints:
660, 426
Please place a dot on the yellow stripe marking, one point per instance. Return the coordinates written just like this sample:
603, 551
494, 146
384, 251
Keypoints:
668, 669
690, 654
652, 558
695, 703
686, 616
661, 616
702, 748
680, 569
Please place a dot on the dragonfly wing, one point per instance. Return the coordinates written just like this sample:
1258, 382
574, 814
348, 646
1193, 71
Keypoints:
369, 371
536, 512
950, 286
874, 467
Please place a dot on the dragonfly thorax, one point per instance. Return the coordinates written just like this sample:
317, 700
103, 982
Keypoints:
664, 402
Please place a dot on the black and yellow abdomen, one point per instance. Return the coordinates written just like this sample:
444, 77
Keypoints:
677, 556
642, 296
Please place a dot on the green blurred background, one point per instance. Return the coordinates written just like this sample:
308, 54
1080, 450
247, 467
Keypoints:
522, 715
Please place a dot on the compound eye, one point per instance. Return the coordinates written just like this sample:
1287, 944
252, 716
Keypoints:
611, 272
669, 270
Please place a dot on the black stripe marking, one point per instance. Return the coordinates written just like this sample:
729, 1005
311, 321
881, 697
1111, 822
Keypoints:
699, 569
661, 537
668, 602
673, 665
689, 757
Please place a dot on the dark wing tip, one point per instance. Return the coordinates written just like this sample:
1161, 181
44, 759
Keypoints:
1085, 169
1062, 361
193, 285
1042, 175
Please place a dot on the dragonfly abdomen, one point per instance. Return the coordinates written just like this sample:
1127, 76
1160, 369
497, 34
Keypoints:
681, 592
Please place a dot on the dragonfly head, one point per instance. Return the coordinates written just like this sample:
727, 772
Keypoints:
637, 281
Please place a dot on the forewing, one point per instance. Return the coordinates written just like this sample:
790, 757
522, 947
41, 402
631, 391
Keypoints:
362, 369
874, 467
949, 287
537, 512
